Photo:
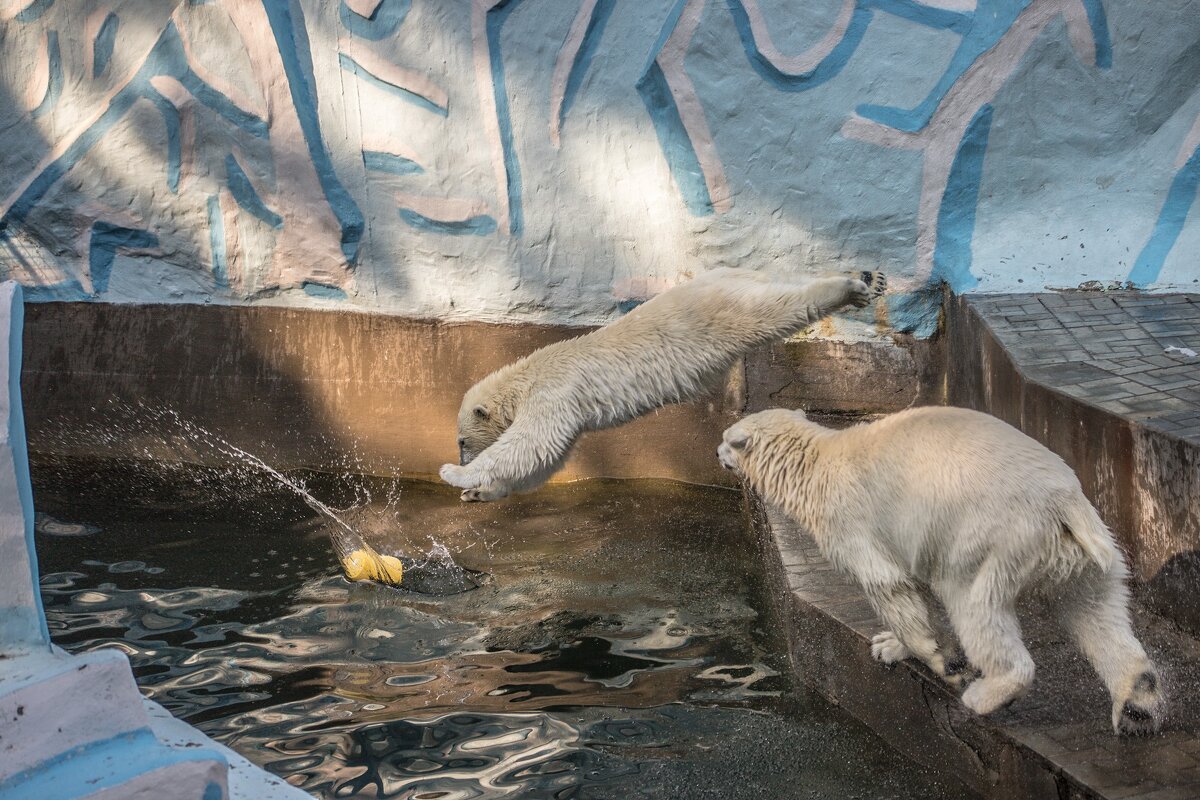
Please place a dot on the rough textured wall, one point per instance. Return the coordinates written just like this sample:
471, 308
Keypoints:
561, 159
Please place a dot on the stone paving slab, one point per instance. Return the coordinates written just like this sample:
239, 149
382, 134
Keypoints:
1108, 349
1056, 742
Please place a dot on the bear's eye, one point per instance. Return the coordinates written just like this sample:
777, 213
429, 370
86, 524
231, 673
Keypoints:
462, 442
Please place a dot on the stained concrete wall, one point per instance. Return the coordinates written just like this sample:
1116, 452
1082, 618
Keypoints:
559, 160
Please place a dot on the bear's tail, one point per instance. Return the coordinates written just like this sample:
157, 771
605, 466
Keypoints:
1083, 525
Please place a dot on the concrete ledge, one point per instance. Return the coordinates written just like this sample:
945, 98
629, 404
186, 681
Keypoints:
1054, 743
842, 377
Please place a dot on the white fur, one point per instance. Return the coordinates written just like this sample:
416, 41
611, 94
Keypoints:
974, 510
518, 424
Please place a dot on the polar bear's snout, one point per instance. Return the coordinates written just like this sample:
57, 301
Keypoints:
464, 457
726, 457
735, 439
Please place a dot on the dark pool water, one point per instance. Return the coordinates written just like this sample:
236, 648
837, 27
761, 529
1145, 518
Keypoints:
616, 651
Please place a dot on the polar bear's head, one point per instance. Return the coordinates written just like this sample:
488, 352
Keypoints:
745, 438
481, 419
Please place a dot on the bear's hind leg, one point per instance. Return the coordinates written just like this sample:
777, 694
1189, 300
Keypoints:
1094, 609
985, 621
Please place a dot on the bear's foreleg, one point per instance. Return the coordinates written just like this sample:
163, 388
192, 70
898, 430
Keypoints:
823, 296
524, 457
909, 633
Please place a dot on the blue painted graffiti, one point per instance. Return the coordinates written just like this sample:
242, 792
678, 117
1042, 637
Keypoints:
980, 30
496, 17
673, 137
292, 40
481, 225
107, 239
170, 115
245, 195
314, 289
1098, 21
34, 11
956, 216
102, 48
1180, 198
216, 242
674, 140
587, 51
390, 163
166, 58
826, 69
382, 23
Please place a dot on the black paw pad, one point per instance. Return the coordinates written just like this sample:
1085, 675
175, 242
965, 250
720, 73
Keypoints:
958, 665
1136, 721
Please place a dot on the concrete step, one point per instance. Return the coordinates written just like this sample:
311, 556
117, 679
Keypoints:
77, 727
54, 703
133, 766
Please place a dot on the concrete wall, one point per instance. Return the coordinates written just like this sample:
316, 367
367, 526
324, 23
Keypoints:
558, 160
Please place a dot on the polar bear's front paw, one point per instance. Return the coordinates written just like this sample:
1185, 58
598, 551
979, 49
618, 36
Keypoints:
457, 476
888, 648
876, 282
859, 295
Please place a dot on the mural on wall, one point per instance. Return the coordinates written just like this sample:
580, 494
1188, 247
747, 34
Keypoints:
561, 161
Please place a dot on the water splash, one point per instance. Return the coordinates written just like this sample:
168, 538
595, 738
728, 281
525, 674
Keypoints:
436, 573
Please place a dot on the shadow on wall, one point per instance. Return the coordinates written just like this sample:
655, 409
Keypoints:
324, 390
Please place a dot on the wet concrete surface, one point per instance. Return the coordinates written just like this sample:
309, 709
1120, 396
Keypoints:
617, 651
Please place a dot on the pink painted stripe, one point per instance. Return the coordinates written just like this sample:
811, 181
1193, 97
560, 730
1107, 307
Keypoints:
442, 209
810, 58
184, 17
39, 74
364, 8
407, 79
691, 112
562, 66
1190, 143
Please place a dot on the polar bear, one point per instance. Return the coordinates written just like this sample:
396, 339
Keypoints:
969, 507
517, 425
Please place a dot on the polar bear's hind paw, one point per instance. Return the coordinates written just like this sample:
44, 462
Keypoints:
1141, 712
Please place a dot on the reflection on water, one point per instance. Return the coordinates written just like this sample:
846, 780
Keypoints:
615, 653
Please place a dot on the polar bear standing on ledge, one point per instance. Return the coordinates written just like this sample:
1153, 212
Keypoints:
517, 425
973, 509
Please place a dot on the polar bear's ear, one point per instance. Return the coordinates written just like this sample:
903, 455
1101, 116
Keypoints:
738, 440
481, 412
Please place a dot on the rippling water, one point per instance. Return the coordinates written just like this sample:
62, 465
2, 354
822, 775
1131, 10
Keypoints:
616, 651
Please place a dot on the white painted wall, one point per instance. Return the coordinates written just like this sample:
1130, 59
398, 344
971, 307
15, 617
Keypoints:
553, 160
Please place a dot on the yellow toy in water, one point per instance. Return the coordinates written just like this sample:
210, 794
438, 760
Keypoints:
367, 565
